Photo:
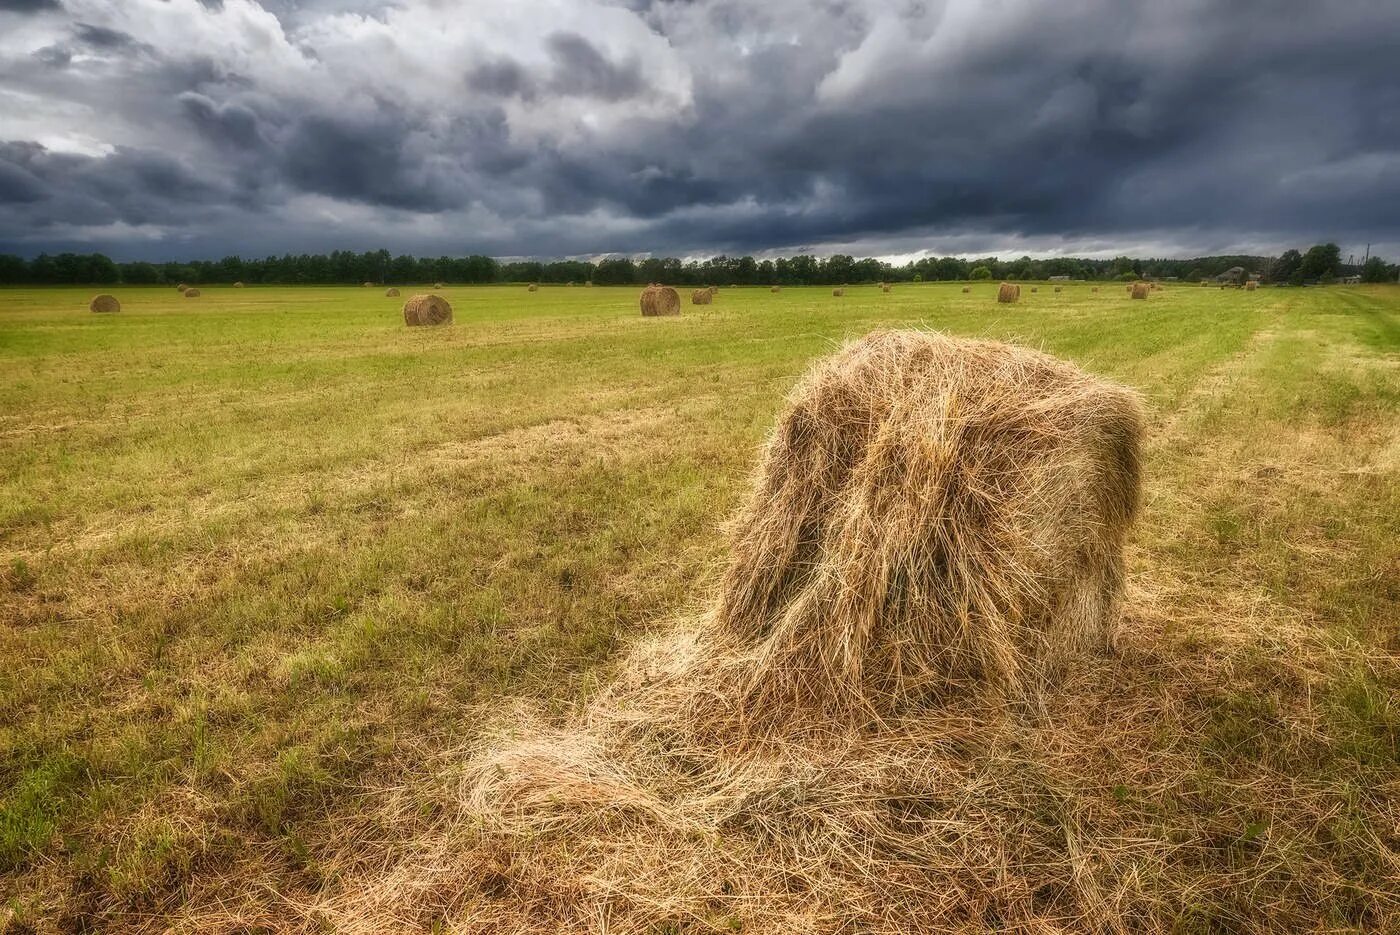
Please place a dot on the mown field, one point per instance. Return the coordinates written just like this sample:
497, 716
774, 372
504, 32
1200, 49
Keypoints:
266, 553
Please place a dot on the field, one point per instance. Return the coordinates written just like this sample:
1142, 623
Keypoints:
269, 559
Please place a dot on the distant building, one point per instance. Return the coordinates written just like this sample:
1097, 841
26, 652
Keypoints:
1234, 274
1059, 279
1351, 280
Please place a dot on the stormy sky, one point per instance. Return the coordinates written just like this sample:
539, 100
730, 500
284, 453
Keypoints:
167, 129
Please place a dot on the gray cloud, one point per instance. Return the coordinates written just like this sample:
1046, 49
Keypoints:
704, 126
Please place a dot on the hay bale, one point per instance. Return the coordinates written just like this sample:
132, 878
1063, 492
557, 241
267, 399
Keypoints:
1059, 288
702, 297
931, 513
368, 285
1251, 286
533, 287
1009, 292
1153, 286
966, 289
1139, 290
104, 304
181, 287
838, 292
437, 285
391, 293
427, 309
775, 288
238, 285
885, 287
1095, 289
191, 293
1035, 288
659, 301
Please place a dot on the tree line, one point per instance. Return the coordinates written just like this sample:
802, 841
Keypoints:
1320, 263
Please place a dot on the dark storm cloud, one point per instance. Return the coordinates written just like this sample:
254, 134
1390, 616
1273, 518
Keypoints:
28, 6
715, 125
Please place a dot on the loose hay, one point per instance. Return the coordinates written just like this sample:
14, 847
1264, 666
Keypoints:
1009, 292
191, 293
427, 310
104, 304
660, 300
702, 297
1139, 290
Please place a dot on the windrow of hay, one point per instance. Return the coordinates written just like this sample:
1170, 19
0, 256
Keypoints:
1139, 290
838, 292
191, 293
702, 297
427, 309
935, 530
105, 304
391, 293
1009, 292
658, 300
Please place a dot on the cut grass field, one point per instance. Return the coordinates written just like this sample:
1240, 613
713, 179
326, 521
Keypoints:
270, 561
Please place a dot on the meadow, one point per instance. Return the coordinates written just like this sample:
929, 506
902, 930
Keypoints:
268, 557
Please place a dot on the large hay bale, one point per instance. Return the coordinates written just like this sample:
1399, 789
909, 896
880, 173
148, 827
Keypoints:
660, 300
181, 287
191, 293
367, 284
702, 297
238, 285
427, 309
1139, 290
104, 304
532, 287
775, 288
1035, 288
966, 289
838, 292
437, 285
1059, 288
391, 293
1009, 292
885, 287
1251, 286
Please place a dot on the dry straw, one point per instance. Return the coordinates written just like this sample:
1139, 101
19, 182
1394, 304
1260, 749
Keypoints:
702, 297
1139, 290
1009, 292
391, 293
660, 300
427, 310
104, 303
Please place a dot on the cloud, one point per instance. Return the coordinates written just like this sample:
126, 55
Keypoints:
710, 125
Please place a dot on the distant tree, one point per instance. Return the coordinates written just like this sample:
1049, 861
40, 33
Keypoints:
1127, 277
142, 274
1285, 266
1376, 270
981, 272
13, 269
1321, 262
615, 271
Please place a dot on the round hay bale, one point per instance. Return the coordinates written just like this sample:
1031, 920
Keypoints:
1140, 290
885, 287
1095, 289
838, 292
391, 293
427, 309
589, 284
1009, 292
104, 304
368, 285
437, 285
659, 301
1035, 288
532, 287
702, 297
1153, 286
966, 289
1251, 286
191, 293
713, 289
1058, 288
181, 287
775, 288
238, 285
906, 535
1205, 283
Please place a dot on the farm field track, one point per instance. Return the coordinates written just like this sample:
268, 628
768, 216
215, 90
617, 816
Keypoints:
268, 558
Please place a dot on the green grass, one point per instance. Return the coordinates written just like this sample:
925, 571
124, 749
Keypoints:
265, 549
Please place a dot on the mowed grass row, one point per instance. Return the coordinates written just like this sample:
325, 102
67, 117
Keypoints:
268, 548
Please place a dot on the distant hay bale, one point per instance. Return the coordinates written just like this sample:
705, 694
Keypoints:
437, 285
1251, 286
1205, 282
966, 289
1139, 290
1009, 292
533, 287
1058, 288
838, 292
427, 309
104, 304
238, 285
1095, 289
181, 287
589, 284
391, 293
191, 293
702, 297
368, 285
775, 288
885, 287
659, 301
1035, 288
